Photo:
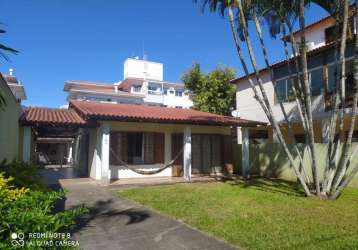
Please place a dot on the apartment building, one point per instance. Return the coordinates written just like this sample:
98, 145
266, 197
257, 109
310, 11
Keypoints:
142, 84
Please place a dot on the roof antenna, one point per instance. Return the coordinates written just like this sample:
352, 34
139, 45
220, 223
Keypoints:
144, 56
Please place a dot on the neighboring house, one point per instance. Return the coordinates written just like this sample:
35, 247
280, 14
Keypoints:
321, 77
145, 137
10, 132
143, 84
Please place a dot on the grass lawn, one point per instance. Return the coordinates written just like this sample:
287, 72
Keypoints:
261, 214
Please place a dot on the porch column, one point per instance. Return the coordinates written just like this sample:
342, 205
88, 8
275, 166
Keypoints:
167, 147
75, 146
26, 146
105, 129
325, 130
187, 153
245, 152
69, 154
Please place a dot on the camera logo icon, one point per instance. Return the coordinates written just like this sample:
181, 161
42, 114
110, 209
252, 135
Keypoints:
17, 239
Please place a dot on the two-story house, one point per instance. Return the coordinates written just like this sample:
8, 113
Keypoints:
143, 84
321, 73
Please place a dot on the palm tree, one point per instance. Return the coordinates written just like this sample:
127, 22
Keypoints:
242, 8
279, 15
3, 50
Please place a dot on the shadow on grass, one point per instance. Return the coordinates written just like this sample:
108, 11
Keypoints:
271, 185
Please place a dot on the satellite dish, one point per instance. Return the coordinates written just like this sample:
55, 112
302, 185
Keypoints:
235, 113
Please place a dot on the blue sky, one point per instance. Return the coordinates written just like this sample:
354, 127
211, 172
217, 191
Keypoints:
63, 40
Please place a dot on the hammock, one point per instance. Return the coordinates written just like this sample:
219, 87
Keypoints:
146, 172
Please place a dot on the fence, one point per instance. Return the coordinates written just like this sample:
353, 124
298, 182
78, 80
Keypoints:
270, 160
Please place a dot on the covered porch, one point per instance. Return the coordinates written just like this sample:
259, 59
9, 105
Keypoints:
110, 142
55, 141
132, 141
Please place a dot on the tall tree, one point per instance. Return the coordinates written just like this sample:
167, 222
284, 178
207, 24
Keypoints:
212, 92
3, 50
279, 16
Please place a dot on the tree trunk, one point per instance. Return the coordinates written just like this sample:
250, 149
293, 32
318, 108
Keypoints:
265, 99
307, 90
273, 80
347, 146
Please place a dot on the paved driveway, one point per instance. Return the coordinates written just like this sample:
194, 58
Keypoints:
115, 223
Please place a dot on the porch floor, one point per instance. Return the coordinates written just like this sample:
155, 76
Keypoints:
152, 181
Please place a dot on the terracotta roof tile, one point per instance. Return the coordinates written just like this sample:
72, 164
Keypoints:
130, 112
37, 115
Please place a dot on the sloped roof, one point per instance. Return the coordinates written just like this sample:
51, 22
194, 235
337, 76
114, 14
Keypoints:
142, 113
50, 116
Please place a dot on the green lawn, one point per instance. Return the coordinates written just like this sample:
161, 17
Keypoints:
258, 215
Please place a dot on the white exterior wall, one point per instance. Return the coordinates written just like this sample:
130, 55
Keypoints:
249, 108
135, 68
316, 36
118, 172
174, 101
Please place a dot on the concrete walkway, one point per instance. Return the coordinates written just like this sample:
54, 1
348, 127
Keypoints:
115, 223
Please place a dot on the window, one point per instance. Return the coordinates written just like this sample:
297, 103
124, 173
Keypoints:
154, 88
136, 148
284, 91
316, 81
331, 78
349, 78
330, 31
179, 93
165, 91
137, 88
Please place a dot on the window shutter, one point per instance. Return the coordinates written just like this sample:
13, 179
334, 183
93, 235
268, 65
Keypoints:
148, 148
159, 148
206, 153
216, 151
177, 145
196, 154
227, 149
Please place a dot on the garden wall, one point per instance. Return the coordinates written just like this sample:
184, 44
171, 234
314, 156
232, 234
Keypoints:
270, 160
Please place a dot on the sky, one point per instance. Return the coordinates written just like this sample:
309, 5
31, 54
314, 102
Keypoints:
62, 40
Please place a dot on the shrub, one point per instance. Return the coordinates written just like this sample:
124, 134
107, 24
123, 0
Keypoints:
26, 206
9, 192
33, 212
25, 174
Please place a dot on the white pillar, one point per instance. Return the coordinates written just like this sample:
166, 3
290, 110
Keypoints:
187, 153
105, 174
26, 146
325, 130
245, 152
167, 147
69, 153
239, 135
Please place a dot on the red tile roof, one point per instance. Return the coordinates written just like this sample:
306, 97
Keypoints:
50, 116
127, 83
141, 113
